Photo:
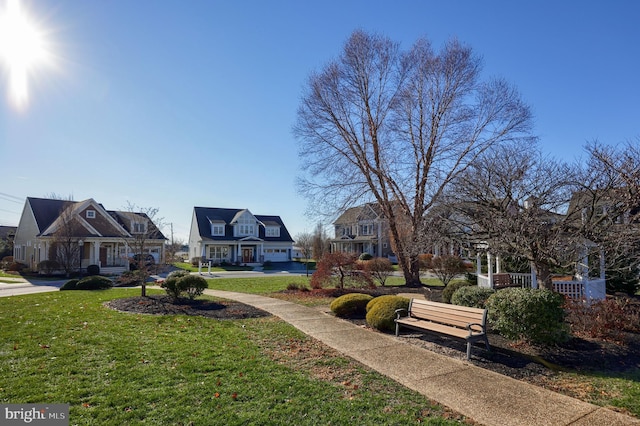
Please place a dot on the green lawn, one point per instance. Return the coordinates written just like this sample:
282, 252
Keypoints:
116, 368
189, 267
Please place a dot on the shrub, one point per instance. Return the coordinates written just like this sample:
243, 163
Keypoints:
383, 312
16, 266
340, 269
48, 266
93, 270
471, 296
70, 285
94, 282
535, 315
365, 256
375, 300
192, 285
195, 261
451, 288
5, 262
606, 319
447, 267
182, 282
297, 287
350, 305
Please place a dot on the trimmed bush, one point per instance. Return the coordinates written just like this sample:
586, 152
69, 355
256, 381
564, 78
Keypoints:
93, 270
375, 300
381, 315
192, 285
451, 288
350, 305
471, 296
70, 285
365, 256
535, 315
94, 282
182, 282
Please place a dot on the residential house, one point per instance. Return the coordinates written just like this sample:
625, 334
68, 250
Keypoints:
103, 237
362, 229
222, 235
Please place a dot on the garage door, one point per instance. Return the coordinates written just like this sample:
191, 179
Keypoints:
276, 255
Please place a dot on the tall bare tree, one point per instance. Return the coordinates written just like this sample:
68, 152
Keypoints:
397, 127
320, 242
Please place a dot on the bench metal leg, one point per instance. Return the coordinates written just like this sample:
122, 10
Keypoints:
397, 329
468, 350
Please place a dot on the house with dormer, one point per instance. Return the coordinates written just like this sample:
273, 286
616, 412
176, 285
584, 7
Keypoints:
83, 233
362, 229
221, 235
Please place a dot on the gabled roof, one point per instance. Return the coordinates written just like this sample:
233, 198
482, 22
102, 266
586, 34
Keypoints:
48, 215
205, 216
368, 211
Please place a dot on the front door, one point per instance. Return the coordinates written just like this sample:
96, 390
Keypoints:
247, 255
103, 256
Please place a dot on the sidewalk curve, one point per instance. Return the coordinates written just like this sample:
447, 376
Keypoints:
484, 396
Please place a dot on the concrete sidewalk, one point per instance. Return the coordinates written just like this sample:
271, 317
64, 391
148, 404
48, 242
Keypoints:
484, 396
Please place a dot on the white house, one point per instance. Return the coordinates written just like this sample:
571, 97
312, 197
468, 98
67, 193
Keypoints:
238, 236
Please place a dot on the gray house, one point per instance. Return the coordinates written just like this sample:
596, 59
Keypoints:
238, 236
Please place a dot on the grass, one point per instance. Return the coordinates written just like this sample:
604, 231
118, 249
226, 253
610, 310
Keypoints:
116, 368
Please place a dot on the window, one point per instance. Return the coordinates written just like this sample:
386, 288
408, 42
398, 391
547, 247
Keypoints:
366, 229
91, 214
218, 252
217, 229
139, 228
272, 231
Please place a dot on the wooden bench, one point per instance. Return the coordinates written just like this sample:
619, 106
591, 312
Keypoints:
458, 321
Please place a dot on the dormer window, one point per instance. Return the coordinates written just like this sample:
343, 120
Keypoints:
139, 228
91, 214
217, 229
272, 231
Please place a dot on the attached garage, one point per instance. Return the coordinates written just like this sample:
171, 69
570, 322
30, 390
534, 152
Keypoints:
276, 254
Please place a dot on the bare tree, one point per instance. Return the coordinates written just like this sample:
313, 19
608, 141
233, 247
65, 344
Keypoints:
397, 127
320, 242
512, 199
65, 247
172, 248
144, 226
304, 241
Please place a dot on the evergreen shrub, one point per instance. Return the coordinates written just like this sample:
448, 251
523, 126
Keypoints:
350, 305
451, 288
534, 315
381, 315
471, 296
94, 282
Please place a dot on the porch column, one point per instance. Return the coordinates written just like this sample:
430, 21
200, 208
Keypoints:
490, 269
478, 264
498, 264
95, 259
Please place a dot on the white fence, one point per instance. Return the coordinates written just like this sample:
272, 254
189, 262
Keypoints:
587, 289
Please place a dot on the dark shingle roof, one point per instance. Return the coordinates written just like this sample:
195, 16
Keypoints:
206, 215
46, 211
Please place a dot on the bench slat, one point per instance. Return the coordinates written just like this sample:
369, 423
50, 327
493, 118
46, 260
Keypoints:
447, 319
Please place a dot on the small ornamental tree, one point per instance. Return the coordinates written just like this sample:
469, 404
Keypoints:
340, 267
380, 268
447, 267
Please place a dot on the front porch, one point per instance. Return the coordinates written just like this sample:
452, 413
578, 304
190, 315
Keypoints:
578, 287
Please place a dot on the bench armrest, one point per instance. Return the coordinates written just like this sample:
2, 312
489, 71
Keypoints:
399, 311
482, 327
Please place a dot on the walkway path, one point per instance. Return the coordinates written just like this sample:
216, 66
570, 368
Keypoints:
484, 396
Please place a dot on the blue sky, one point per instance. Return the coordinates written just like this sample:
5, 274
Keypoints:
176, 104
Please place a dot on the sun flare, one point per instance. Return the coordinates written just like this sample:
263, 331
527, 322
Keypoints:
23, 49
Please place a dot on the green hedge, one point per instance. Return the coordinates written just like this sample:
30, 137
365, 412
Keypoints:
350, 305
382, 313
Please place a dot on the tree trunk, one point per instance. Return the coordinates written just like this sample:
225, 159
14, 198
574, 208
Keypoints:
144, 290
544, 276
